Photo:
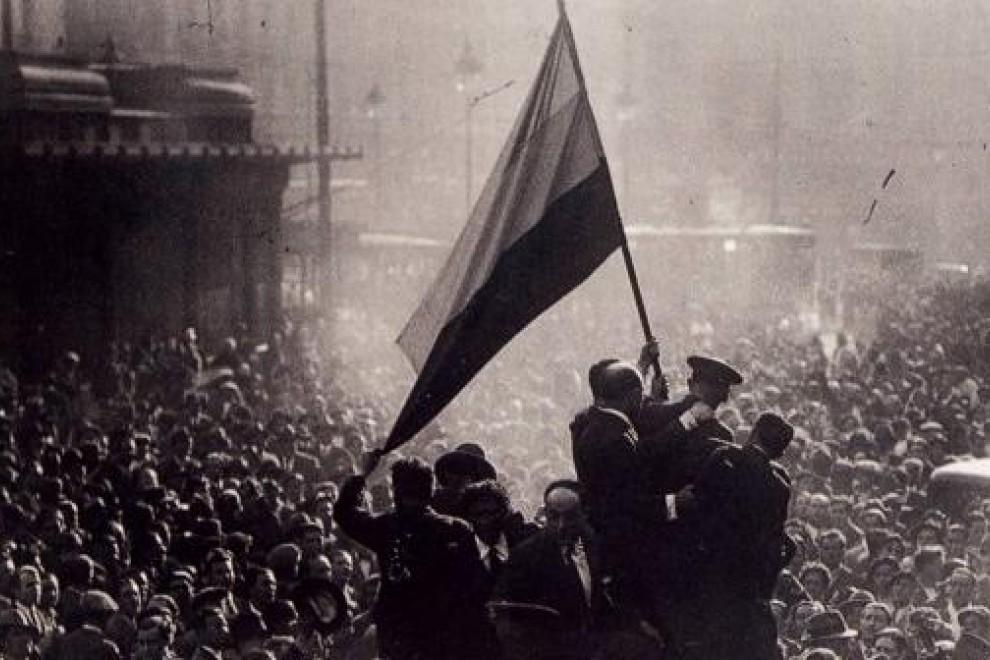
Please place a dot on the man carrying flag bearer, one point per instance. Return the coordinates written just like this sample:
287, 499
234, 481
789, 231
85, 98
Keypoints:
637, 457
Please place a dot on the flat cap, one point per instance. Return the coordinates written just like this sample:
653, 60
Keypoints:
95, 601
713, 370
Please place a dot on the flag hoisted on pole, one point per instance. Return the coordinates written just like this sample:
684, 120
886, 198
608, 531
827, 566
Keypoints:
545, 220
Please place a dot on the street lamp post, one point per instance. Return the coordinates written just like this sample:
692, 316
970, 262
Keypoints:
468, 67
375, 103
324, 228
6, 25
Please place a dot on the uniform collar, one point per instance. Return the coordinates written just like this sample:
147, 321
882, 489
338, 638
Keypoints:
615, 413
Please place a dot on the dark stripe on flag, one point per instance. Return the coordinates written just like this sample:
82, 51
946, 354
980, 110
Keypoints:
575, 235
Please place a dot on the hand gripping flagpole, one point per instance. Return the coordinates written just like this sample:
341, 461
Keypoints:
644, 320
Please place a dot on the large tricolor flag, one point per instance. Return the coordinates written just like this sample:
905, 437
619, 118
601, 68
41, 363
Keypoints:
545, 220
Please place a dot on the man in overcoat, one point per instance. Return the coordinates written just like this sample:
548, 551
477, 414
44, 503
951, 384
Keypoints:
739, 506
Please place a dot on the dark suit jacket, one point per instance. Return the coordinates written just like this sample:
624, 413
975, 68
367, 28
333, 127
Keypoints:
537, 574
609, 464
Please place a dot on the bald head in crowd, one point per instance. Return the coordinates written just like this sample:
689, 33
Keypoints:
565, 516
617, 385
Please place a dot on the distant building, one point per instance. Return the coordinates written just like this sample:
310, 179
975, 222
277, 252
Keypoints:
269, 41
134, 203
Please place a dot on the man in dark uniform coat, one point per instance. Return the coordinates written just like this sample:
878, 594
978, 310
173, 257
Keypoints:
678, 438
740, 502
429, 566
682, 435
620, 504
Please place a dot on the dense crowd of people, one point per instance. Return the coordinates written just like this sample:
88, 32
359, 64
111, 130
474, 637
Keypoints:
163, 501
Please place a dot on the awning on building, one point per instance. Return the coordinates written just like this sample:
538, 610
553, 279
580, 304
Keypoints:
204, 97
52, 87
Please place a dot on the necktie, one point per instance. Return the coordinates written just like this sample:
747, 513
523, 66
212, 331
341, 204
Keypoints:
494, 560
576, 560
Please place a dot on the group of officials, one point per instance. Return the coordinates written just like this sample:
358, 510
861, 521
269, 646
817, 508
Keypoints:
667, 546
690, 525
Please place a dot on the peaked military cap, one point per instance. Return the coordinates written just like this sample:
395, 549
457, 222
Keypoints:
712, 370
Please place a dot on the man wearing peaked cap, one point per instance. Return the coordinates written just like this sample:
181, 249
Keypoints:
685, 433
713, 370
678, 439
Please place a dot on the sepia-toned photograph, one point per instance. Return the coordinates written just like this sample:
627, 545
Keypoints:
494, 330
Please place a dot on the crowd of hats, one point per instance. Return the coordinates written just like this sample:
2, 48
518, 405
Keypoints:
153, 491
127, 478
880, 572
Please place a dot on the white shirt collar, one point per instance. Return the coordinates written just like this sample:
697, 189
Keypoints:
501, 549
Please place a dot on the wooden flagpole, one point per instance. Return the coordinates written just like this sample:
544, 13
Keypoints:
644, 320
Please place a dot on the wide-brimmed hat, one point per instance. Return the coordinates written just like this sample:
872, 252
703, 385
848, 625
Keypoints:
95, 602
827, 625
207, 598
856, 598
321, 603
203, 536
302, 522
979, 612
